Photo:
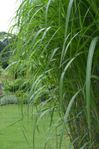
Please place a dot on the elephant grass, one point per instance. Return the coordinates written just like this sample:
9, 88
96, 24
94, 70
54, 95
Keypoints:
57, 49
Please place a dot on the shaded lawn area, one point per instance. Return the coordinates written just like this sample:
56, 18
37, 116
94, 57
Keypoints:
17, 126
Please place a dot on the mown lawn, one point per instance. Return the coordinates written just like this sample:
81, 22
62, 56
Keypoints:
17, 126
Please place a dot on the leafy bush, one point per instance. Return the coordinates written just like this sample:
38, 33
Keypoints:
8, 99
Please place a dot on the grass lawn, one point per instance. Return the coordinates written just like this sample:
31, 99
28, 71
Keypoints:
17, 126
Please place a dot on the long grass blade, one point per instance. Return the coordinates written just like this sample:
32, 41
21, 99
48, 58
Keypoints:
68, 16
88, 81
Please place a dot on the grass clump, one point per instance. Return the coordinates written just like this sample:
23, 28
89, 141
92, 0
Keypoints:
57, 52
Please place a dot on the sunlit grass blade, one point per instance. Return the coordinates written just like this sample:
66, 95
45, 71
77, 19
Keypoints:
69, 9
88, 81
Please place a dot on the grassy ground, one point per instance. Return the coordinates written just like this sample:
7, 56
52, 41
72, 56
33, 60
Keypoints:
16, 130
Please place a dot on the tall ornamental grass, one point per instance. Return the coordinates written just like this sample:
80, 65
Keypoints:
57, 51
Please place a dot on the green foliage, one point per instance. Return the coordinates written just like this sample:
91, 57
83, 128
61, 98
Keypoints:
8, 99
57, 49
16, 130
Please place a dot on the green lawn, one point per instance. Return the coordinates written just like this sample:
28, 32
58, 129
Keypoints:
16, 130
